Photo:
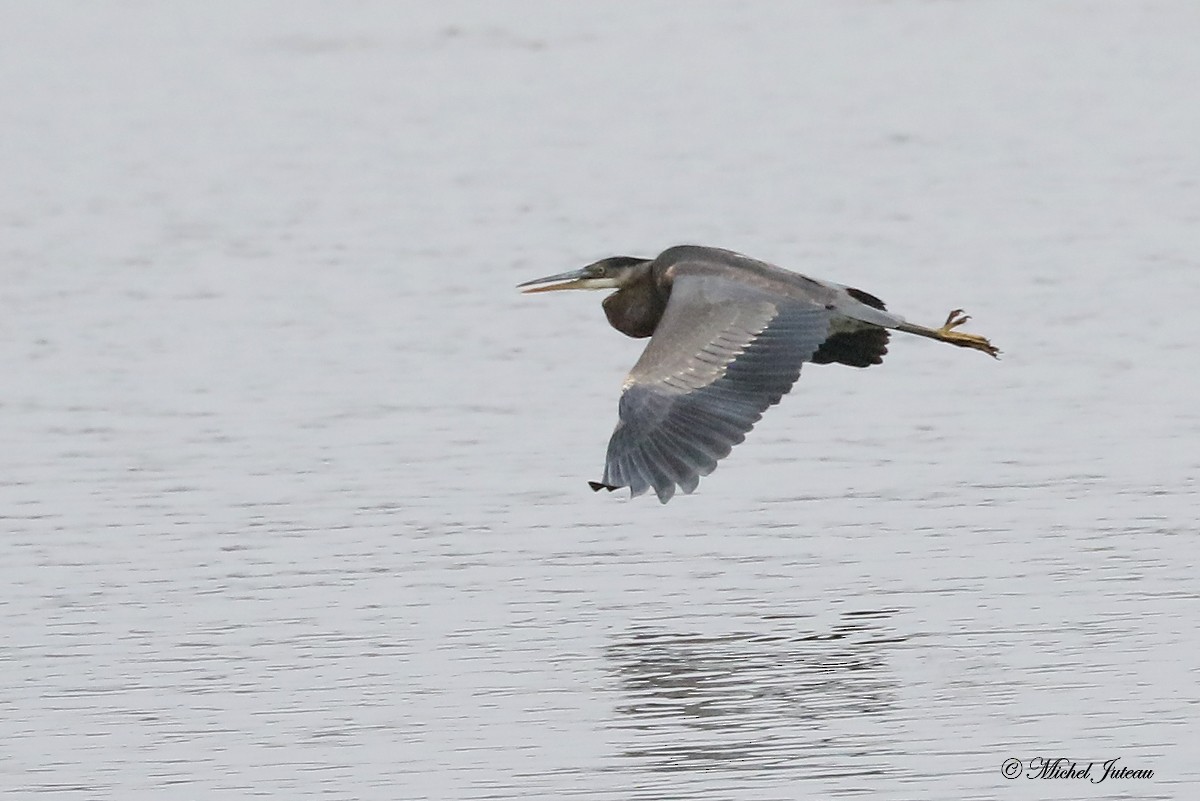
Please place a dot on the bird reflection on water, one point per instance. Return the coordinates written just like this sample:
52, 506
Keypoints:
757, 701
729, 335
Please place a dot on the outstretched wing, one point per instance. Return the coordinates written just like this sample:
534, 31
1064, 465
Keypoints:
723, 353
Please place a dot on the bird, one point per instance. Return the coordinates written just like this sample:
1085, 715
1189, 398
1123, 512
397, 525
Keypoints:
728, 336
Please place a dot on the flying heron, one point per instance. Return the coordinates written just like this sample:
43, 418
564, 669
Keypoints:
728, 335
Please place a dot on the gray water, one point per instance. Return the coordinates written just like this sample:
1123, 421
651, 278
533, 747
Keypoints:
292, 480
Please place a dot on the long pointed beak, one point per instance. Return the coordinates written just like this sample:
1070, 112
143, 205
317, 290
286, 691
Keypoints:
576, 279
555, 282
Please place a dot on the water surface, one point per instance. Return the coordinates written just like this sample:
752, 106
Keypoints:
292, 490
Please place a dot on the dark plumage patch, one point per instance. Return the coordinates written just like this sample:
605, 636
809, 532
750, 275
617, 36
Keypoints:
860, 348
635, 312
866, 298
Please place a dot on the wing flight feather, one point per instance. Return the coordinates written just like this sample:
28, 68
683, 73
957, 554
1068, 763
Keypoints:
723, 353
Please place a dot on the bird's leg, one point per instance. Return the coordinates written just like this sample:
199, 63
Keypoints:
947, 334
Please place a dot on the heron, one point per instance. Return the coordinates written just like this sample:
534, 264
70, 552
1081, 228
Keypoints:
728, 336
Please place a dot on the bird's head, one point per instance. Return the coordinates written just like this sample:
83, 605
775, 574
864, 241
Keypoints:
611, 273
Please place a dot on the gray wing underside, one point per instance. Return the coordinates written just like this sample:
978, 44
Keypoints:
721, 355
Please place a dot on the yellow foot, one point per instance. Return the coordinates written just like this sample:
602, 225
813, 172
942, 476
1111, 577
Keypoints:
947, 334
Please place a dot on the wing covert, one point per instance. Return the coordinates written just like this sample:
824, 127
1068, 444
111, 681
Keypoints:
722, 353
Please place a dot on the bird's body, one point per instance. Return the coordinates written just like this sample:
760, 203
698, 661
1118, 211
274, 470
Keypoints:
729, 335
